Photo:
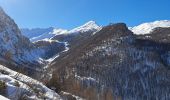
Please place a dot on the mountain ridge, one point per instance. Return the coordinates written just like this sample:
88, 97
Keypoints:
115, 64
148, 27
89, 26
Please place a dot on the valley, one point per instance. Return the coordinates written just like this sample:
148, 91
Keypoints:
89, 62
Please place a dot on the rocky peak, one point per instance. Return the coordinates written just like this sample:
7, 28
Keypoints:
8, 24
89, 26
115, 30
90, 23
118, 26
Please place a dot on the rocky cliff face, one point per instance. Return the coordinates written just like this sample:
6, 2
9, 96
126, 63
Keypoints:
115, 63
16, 50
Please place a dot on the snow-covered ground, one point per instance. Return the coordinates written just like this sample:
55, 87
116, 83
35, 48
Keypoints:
3, 98
146, 28
19, 85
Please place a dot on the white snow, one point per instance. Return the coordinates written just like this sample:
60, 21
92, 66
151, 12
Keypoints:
35, 32
85, 78
3, 98
146, 28
89, 26
47, 40
38, 34
49, 35
13, 92
59, 31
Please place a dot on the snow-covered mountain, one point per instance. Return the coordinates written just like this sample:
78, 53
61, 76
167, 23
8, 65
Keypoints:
89, 26
38, 34
17, 52
13, 45
31, 33
20, 54
147, 28
115, 64
49, 33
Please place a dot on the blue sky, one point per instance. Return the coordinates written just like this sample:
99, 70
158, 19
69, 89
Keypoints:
72, 13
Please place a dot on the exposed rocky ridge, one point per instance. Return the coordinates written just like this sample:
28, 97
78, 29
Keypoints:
114, 63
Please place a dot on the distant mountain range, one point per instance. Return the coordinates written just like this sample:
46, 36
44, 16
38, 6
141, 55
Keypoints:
147, 28
38, 34
48, 33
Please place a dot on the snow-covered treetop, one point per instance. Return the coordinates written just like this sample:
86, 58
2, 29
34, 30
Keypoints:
146, 28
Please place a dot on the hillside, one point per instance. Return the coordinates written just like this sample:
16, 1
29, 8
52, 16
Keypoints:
17, 86
115, 63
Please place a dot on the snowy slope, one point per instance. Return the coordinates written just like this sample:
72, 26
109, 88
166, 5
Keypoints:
89, 26
38, 34
27, 88
146, 28
14, 46
30, 33
47, 34
3, 98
